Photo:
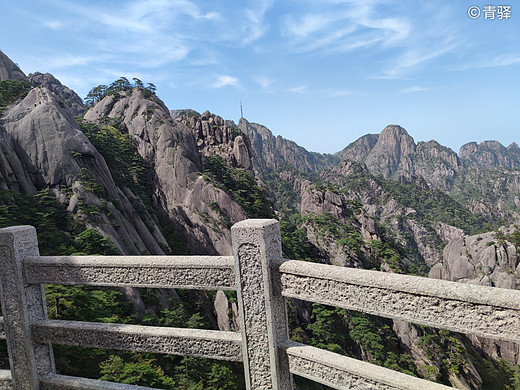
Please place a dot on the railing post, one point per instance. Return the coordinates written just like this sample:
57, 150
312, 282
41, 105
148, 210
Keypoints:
262, 309
22, 305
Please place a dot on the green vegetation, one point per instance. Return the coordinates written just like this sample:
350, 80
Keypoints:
432, 205
442, 345
122, 84
345, 332
295, 244
513, 237
120, 153
240, 185
11, 91
59, 234
346, 233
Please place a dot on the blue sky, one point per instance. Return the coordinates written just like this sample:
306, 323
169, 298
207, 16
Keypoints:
321, 73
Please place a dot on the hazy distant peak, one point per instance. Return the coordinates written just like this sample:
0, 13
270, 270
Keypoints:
491, 154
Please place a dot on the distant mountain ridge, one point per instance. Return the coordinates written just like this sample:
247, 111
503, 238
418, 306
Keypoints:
470, 177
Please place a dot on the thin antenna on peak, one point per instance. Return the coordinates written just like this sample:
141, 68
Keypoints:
241, 111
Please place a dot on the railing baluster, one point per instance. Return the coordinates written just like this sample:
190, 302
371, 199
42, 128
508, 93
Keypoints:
23, 305
263, 317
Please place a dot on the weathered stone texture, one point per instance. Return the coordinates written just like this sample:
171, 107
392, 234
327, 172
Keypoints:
345, 373
63, 382
489, 315
263, 317
159, 272
22, 306
6, 383
176, 341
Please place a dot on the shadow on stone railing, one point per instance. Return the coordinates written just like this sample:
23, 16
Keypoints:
262, 280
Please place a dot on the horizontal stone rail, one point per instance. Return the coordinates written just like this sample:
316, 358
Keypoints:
63, 382
212, 344
483, 311
263, 281
342, 372
190, 272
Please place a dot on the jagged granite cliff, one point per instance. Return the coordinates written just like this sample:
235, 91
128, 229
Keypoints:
178, 188
486, 259
67, 97
484, 177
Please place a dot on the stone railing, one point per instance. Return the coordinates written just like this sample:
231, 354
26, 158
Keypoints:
262, 280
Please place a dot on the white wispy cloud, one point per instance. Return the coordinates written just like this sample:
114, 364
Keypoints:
265, 82
151, 29
343, 29
412, 58
66, 60
254, 20
54, 24
299, 89
414, 89
493, 62
225, 81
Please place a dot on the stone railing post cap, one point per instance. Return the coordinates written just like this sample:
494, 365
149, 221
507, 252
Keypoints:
16, 229
254, 223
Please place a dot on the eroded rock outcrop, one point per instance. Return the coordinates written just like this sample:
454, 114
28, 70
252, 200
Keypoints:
491, 154
44, 141
487, 259
67, 97
170, 148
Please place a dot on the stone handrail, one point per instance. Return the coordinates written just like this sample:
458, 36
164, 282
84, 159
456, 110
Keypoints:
263, 281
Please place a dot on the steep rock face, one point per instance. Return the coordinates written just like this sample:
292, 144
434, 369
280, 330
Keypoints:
179, 189
13, 176
485, 178
67, 97
277, 152
485, 260
45, 136
491, 191
353, 181
437, 164
9, 70
491, 154
214, 135
480, 259
394, 146
393, 153
43, 147
282, 164
359, 149
410, 336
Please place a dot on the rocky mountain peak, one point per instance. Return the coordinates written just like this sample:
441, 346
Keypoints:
9, 70
198, 210
272, 152
393, 147
491, 154
67, 97
47, 137
359, 149
216, 136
